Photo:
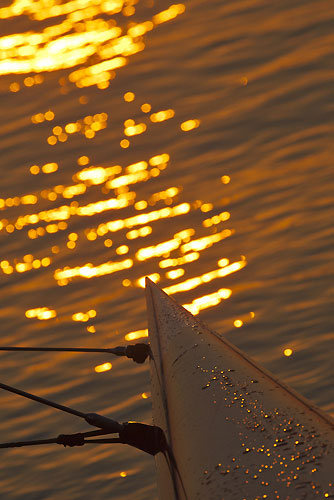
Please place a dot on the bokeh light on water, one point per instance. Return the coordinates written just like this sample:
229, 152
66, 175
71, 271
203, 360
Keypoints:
178, 141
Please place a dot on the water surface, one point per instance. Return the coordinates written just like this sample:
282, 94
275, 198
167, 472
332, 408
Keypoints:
185, 142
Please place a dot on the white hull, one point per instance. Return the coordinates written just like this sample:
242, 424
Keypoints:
235, 431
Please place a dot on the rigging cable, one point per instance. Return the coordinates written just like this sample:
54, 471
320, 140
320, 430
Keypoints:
148, 438
138, 352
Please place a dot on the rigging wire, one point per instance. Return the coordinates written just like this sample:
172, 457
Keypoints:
64, 439
43, 401
148, 438
93, 419
138, 352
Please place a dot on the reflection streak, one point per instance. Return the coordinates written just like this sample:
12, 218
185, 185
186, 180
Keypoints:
70, 45
192, 283
57, 47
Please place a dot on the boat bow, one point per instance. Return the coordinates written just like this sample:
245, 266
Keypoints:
233, 430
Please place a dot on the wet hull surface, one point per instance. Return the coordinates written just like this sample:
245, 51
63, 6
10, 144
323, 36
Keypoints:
234, 430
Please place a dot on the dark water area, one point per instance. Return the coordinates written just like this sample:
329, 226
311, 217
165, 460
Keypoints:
187, 142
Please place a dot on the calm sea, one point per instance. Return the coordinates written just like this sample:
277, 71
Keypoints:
189, 142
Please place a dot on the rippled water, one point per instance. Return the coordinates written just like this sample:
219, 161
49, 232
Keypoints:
219, 188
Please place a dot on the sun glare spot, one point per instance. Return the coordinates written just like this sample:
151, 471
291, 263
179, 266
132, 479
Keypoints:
103, 368
41, 313
189, 125
138, 334
129, 97
225, 179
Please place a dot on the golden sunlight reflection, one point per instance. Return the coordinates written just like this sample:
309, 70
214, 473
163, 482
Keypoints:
69, 207
124, 143
139, 233
88, 126
29, 263
129, 96
206, 207
97, 175
123, 200
41, 313
206, 301
137, 129
162, 248
48, 168
192, 283
122, 250
62, 276
144, 218
206, 241
174, 274
161, 116
104, 367
81, 316
138, 334
223, 262
79, 37
179, 261
287, 352
170, 13
225, 179
216, 219
189, 125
